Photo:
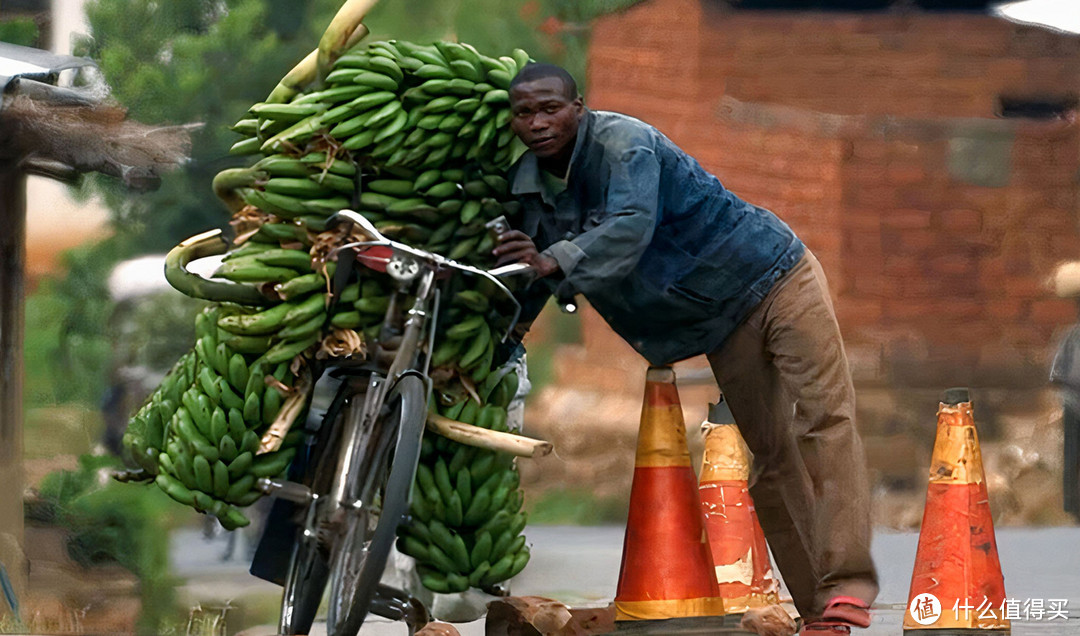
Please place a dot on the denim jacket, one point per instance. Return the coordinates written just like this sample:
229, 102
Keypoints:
672, 260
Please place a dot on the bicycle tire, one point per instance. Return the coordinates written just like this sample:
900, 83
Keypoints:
309, 569
358, 560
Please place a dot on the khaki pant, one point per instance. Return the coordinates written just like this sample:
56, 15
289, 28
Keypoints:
785, 376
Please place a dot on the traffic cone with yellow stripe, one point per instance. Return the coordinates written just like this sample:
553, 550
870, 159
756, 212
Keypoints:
740, 554
957, 582
666, 568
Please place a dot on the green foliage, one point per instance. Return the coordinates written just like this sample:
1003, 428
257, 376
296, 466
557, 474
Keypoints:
190, 61
576, 506
21, 31
112, 522
68, 354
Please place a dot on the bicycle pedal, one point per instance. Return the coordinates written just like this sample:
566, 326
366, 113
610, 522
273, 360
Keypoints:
287, 490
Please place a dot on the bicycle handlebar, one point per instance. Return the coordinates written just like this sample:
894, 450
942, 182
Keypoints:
435, 261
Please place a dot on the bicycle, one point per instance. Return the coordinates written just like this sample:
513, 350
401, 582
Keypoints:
351, 486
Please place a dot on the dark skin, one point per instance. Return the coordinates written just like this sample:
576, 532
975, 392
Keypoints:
546, 119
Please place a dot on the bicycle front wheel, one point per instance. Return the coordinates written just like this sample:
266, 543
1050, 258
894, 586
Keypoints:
387, 465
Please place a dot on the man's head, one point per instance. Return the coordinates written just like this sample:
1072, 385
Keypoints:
547, 109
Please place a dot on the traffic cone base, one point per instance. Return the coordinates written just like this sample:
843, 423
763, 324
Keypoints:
666, 570
957, 583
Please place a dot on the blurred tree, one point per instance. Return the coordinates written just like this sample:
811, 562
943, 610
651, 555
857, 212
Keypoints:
193, 61
208, 60
22, 31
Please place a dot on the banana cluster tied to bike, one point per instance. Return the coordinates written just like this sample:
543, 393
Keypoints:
416, 139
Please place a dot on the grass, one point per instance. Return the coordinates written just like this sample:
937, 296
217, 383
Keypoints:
575, 507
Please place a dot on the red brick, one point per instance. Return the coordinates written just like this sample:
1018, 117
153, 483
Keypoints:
853, 312
907, 310
906, 219
1057, 312
918, 240
905, 174
960, 220
1023, 287
953, 265
1005, 309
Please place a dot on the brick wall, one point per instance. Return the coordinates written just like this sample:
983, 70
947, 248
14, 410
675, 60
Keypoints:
873, 136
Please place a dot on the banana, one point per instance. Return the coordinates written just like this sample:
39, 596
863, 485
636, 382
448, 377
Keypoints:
289, 349
239, 488
220, 479
203, 476
299, 260
376, 80
240, 465
286, 112
306, 188
300, 286
342, 184
398, 188
248, 146
228, 449
435, 582
386, 67
302, 329
360, 140
337, 93
257, 324
175, 489
272, 464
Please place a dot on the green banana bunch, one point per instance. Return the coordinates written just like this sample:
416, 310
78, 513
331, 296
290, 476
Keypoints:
465, 530
145, 433
200, 431
416, 138
400, 103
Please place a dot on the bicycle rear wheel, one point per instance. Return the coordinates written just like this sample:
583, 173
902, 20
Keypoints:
309, 568
387, 466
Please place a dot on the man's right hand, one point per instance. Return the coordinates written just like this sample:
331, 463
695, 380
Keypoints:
515, 246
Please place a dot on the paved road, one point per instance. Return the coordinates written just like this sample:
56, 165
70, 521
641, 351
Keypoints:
580, 566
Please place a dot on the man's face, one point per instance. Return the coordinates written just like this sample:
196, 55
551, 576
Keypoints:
544, 117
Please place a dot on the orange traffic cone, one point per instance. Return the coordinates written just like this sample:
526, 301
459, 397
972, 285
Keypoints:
739, 553
665, 570
957, 583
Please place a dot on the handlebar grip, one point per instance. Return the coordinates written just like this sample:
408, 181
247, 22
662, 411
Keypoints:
210, 243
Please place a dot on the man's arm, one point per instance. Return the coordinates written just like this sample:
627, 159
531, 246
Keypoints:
608, 252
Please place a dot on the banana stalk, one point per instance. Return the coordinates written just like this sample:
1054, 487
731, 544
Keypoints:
295, 80
206, 244
345, 30
290, 410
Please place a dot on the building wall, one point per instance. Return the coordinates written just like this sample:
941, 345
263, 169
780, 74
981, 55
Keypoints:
874, 136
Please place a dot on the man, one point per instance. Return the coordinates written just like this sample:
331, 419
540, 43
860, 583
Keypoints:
679, 266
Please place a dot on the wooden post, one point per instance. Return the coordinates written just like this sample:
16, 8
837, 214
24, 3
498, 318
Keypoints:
12, 268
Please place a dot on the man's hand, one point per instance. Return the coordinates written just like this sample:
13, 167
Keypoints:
515, 246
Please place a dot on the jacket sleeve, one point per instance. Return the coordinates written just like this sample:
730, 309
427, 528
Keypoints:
608, 252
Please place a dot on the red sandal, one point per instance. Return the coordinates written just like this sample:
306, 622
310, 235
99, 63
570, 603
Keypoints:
847, 610
825, 628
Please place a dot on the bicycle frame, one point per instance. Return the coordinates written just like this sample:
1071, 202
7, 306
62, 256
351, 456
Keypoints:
410, 268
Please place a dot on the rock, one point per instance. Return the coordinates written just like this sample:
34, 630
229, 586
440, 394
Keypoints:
538, 616
438, 629
770, 620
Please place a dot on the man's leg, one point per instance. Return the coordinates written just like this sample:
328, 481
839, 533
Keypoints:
786, 378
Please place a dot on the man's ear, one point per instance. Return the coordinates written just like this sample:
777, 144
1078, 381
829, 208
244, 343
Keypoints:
579, 105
